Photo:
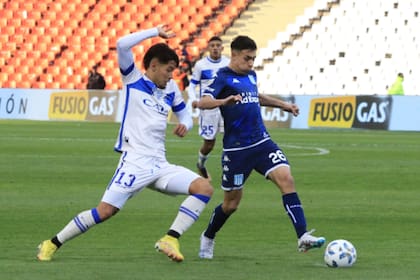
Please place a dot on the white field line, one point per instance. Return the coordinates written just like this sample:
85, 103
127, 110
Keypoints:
312, 150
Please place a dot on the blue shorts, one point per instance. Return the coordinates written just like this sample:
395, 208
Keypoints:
237, 165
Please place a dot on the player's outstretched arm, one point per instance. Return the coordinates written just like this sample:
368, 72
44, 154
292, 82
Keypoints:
127, 42
207, 102
269, 101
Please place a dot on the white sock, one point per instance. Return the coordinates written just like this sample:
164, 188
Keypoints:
202, 158
188, 213
80, 224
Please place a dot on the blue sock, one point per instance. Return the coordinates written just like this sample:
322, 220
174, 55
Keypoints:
294, 209
217, 220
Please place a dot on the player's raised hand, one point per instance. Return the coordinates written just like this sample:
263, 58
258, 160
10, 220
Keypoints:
165, 31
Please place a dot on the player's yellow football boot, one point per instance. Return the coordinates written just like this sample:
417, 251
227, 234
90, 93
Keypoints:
169, 246
46, 250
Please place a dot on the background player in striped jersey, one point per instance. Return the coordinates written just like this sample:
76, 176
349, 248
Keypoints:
210, 121
247, 145
141, 141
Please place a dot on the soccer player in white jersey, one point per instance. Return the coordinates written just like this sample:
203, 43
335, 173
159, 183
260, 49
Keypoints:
210, 121
141, 141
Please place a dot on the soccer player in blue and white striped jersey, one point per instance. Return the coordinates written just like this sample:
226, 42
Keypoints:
149, 97
210, 121
247, 145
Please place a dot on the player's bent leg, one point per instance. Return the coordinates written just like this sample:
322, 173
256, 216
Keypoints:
219, 217
81, 223
284, 180
201, 186
199, 193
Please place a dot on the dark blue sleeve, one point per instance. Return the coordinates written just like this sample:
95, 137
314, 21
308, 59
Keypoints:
215, 87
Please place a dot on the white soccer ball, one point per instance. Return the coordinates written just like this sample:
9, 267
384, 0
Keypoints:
340, 253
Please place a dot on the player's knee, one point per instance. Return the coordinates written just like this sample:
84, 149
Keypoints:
283, 179
106, 211
287, 184
201, 186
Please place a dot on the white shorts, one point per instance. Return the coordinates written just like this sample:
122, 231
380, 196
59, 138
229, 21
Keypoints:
210, 123
136, 172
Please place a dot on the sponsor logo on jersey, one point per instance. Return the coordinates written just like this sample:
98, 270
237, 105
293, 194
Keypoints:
156, 106
249, 97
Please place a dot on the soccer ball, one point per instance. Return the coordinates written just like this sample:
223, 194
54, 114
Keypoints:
340, 253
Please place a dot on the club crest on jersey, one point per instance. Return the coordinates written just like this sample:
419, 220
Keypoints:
158, 93
252, 79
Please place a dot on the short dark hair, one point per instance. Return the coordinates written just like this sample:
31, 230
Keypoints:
162, 52
243, 43
215, 38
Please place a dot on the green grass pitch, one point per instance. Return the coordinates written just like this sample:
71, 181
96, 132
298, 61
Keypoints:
358, 185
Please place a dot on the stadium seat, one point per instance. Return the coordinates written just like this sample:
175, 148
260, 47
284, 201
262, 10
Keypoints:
207, 34
198, 19
154, 18
205, 10
212, 3
197, 3
231, 11
224, 19
216, 27
162, 9
149, 2
169, 3
189, 10
201, 43
3, 77
183, 3
10, 82
193, 51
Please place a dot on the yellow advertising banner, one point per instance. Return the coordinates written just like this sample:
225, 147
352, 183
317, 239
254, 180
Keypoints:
72, 105
332, 112
90, 105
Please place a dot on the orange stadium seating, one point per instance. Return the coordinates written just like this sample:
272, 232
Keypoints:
54, 43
